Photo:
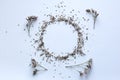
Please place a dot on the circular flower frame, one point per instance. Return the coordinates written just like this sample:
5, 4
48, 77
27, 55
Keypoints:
69, 21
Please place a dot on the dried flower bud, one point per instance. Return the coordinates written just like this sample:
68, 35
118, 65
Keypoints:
35, 72
34, 63
31, 18
88, 10
81, 73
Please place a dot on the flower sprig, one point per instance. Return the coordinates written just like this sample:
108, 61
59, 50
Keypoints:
34, 64
30, 21
94, 14
86, 67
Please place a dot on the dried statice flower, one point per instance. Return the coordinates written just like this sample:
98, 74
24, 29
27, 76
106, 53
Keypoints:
86, 67
30, 21
35, 64
94, 14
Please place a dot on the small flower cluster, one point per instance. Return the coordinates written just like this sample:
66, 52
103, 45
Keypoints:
30, 21
69, 21
34, 65
86, 67
94, 14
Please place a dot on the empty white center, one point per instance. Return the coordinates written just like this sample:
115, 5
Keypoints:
60, 39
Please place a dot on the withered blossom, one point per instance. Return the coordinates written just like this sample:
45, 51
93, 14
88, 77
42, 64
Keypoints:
30, 21
86, 67
94, 14
35, 64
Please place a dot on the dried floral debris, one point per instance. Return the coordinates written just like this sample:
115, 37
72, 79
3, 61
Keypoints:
86, 67
34, 64
94, 14
30, 21
67, 21
72, 20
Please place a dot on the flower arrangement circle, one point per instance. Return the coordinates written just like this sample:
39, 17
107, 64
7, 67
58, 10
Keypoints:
69, 21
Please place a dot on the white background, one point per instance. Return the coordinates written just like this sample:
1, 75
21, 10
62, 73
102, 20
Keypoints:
15, 48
